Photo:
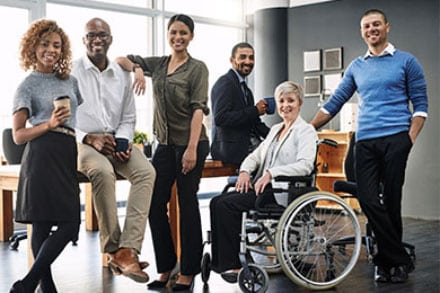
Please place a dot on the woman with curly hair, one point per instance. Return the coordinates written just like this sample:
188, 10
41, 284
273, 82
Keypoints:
48, 190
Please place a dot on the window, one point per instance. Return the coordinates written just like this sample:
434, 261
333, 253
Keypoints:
138, 27
10, 72
229, 10
215, 54
138, 3
132, 34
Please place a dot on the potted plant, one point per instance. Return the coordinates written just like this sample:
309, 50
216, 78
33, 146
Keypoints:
141, 141
140, 137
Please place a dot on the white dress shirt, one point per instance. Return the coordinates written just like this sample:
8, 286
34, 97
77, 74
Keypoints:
109, 104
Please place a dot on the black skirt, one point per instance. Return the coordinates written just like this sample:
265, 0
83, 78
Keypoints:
48, 188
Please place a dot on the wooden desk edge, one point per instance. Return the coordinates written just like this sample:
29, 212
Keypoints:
9, 180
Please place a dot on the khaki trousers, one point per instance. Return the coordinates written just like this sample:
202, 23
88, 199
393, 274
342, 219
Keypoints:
100, 170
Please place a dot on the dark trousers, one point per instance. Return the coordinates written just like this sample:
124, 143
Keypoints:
226, 215
46, 247
167, 161
383, 161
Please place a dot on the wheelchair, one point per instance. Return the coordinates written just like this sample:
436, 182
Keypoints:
304, 240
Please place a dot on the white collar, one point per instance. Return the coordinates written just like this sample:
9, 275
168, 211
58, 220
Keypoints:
88, 65
389, 50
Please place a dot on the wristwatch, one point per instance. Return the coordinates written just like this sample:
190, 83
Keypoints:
135, 65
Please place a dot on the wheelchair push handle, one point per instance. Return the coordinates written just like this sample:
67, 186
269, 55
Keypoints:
328, 141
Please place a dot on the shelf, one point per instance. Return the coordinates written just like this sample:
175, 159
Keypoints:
339, 175
334, 158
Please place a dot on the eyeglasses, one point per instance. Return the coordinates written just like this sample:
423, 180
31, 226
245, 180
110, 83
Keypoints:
101, 36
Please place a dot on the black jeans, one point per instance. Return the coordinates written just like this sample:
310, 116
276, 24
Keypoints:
383, 161
167, 161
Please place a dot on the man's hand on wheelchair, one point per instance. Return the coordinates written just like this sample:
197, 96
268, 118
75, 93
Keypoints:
244, 183
262, 182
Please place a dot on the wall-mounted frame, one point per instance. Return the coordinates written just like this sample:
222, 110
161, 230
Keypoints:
312, 60
312, 86
332, 59
331, 81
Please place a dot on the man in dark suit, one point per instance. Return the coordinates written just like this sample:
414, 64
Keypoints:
237, 128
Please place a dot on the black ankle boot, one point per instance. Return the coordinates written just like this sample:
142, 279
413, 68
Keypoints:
18, 287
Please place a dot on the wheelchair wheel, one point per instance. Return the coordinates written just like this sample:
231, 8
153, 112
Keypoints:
260, 247
206, 267
253, 279
309, 241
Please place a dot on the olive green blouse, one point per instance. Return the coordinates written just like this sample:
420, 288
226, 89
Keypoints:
176, 96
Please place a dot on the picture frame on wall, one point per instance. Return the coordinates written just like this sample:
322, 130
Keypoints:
312, 85
331, 81
312, 60
332, 59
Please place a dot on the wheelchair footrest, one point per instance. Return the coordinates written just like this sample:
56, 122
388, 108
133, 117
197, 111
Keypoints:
254, 228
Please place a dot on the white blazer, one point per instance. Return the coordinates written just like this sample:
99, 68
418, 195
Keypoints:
293, 156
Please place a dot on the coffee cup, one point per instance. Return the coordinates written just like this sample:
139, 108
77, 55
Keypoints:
270, 105
63, 101
121, 144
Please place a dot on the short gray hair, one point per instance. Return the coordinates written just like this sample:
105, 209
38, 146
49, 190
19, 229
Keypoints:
289, 87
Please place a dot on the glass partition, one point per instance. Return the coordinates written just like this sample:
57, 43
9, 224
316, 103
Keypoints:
11, 74
230, 10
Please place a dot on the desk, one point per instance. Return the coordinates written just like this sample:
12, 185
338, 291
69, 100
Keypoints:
9, 181
8, 184
211, 169
9, 175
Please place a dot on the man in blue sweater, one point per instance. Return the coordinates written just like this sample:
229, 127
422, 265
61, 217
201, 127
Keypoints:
388, 82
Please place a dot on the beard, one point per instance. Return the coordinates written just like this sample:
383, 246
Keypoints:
243, 69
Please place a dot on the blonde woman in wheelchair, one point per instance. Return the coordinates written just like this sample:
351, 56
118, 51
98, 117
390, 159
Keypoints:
288, 150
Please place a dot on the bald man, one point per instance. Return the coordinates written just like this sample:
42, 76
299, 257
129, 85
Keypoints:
109, 112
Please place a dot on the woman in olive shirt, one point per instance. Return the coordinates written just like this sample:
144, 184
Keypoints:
180, 90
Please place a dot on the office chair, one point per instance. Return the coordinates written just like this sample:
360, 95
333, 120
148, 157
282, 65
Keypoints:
12, 151
13, 154
349, 188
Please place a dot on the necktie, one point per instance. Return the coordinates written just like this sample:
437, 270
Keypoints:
247, 93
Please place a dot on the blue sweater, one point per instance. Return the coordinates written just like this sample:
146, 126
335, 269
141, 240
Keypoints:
385, 85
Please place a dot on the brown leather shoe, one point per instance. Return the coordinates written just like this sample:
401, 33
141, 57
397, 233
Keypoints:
142, 264
125, 261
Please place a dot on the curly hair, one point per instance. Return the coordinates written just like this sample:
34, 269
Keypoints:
31, 39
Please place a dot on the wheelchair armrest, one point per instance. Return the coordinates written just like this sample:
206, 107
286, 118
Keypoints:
296, 181
227, 187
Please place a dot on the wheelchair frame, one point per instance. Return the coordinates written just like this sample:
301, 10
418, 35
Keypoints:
307, 244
